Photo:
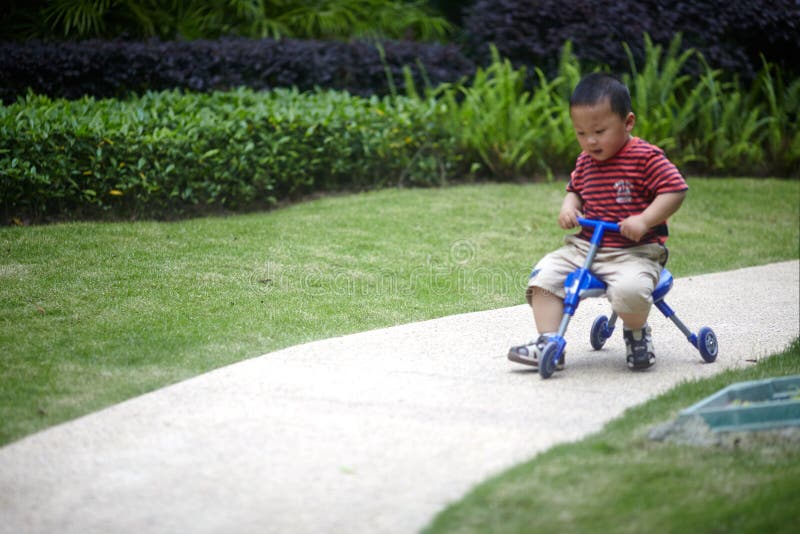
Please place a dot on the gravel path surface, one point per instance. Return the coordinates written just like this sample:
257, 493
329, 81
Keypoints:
373, 432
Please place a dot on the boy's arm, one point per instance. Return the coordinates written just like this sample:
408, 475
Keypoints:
571, 209
662, 207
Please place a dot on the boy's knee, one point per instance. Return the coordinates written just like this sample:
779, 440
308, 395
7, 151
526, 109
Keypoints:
632, 296
533, 291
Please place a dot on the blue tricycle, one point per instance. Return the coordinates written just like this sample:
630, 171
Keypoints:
581, 284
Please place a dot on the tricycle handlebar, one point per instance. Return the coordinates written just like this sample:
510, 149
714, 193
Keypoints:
591, 223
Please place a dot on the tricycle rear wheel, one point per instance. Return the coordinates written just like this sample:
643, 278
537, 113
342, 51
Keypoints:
707, 344
597, 336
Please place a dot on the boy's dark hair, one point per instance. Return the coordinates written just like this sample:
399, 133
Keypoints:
597, 86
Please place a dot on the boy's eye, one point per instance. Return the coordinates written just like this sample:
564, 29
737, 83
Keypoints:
598, 132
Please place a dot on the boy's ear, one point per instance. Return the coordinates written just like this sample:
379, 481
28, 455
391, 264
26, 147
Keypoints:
630, 121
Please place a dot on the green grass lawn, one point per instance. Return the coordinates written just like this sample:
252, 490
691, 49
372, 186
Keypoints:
95, 313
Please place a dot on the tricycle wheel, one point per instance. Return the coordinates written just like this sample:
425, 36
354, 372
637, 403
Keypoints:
597, 336
707, 344
547, 359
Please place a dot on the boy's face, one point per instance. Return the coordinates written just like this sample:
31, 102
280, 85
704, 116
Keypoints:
601, 132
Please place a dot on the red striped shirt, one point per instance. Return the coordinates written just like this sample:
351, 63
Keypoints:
624, 185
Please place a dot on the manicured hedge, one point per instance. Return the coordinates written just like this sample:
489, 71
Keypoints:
166, 154
169, 154
730, 35
117, 68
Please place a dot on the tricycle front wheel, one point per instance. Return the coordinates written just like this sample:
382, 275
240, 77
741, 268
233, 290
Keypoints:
547, 359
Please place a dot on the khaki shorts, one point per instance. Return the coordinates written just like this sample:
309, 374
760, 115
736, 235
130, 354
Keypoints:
631, 274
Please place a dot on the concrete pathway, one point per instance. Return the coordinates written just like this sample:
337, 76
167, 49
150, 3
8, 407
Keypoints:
374, 432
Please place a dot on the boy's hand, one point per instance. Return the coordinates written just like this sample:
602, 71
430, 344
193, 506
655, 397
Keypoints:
568, 218
634, 227
570, 211
662, 207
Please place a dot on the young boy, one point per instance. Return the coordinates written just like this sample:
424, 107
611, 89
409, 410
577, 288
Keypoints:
617, 178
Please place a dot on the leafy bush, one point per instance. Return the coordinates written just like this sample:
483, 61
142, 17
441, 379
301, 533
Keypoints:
731, 36
195, 19
509, 132
711, 124
117, 68
706, 124
166, 154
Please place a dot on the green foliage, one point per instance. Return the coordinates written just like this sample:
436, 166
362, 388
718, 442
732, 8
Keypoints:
712, 124
705, 124
193, 19
782, 101
363, 18
166, 154
508, 131
655, 89
171, 153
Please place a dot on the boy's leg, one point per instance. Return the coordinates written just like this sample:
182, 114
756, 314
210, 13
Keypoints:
548, 309
634, 321
631, 276
545, 294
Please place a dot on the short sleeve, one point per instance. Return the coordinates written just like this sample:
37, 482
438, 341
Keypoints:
662, 176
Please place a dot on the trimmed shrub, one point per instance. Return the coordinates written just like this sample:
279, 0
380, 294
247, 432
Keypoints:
117, 68
169, 154
730, 35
